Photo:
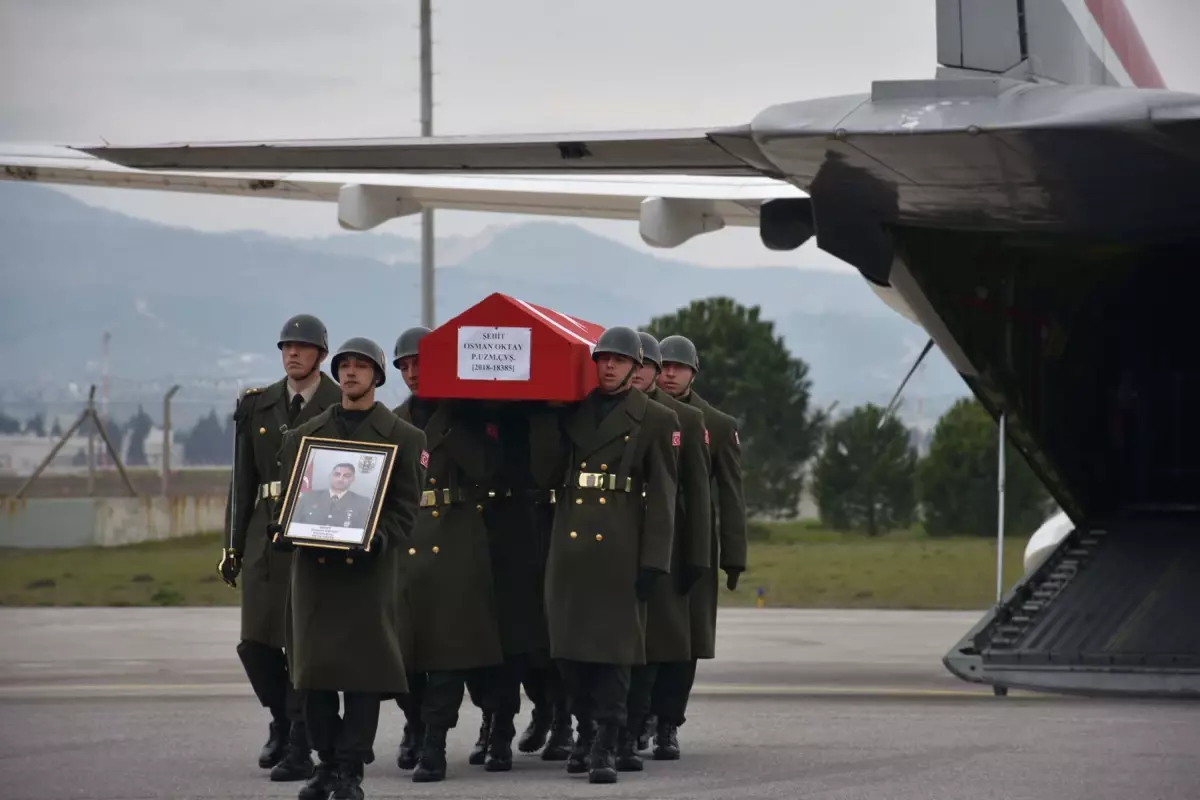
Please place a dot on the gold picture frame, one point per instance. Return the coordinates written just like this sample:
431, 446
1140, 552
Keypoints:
320, 505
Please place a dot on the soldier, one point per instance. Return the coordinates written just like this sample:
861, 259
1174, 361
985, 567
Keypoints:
540, 425
610, 544
680, 364
340, 506
415, 410
668, 615
261, 418
449, 581
344, 634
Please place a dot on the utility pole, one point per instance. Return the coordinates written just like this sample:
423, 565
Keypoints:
427, 286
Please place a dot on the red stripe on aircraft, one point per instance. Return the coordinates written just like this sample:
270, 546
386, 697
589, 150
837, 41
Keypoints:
1126, 42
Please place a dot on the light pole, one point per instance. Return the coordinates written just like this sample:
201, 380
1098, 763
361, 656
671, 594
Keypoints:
427, 285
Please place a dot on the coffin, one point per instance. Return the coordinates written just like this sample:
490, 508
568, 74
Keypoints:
504, 348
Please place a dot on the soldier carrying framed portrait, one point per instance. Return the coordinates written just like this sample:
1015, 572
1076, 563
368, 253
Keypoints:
336, 492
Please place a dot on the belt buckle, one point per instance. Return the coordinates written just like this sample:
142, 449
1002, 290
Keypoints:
552, 497
428, 498
447, 497
275, 488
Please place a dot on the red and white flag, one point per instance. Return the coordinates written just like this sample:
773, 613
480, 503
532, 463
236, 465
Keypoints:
307, 478
676, 438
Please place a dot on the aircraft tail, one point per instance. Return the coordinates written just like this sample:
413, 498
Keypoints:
1092, 42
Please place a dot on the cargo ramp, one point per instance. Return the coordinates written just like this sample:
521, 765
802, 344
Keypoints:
1114, 610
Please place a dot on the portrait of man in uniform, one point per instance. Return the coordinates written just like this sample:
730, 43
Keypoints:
336, 494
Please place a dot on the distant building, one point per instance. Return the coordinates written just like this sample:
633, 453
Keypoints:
21, 453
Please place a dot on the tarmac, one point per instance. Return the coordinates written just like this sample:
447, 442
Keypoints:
152, 703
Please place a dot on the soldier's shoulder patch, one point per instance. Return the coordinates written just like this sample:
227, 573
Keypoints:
676, 438
425, 459
736, 439
254, 390
706, 439
493, 431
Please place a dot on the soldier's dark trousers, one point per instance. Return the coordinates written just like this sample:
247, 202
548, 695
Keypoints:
642, 679
266, 667
597, 692
544, 685
672, 687
350, 737
410, 703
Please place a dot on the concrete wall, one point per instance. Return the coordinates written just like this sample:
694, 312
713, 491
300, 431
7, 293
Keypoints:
106, 521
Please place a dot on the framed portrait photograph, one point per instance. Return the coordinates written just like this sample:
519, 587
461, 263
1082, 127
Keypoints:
336, 492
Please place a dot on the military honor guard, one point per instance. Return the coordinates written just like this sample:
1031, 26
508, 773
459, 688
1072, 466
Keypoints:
262, 417
680, 365
610, 545
669, 650
345, 630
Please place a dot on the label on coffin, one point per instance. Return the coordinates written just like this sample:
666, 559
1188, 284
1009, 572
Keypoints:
493, 354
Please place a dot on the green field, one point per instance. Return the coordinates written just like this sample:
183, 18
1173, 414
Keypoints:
797, 566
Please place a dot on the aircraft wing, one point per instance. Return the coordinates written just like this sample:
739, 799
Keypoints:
671, 208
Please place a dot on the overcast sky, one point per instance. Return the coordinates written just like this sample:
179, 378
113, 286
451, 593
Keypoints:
77, 71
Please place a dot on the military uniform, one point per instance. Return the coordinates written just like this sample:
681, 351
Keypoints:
261, 418
608, 545
545, 451
345, 631
727, 550
448, 571
349, 510
668, 612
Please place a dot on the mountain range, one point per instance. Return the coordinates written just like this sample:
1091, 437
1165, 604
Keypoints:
203, 309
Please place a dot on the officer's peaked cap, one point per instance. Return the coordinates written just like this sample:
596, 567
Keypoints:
304, 328
360, 346
650, 348
406, 345
680, 350
620, 340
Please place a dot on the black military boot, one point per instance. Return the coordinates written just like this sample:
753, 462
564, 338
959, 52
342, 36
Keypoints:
479, 751
585, 735
534, 737
627, 758
431, 766
410, 745
499, 754
323, 779
666, 743
349, 781
646, 733
297, 763
558, 748
277, 742
602, 766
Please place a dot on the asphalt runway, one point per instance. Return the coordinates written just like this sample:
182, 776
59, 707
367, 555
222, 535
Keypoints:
151, 703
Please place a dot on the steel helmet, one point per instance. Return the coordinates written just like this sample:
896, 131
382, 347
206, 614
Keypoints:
406, 345
620, 340
650, 349
680, 350
360, 346
307, 329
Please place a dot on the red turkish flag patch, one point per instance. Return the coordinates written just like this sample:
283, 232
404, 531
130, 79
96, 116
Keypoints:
706, 441
736, 438
676, 438
493, 431
425, 459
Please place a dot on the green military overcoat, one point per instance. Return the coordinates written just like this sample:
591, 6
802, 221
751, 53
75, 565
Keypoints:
602, 537
261, 418
728, 541
345, 632
448, 569
518, 530
668, 611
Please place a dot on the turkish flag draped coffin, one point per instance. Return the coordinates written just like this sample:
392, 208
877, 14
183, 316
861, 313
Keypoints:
503, 348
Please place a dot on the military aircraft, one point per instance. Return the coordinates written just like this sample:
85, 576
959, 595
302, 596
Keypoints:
1032, 207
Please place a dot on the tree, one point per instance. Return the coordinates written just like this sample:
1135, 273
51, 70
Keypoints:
865, 477
747, 372
957, 479
36, 425
56, 430
139, 427
209, 441
9, 424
